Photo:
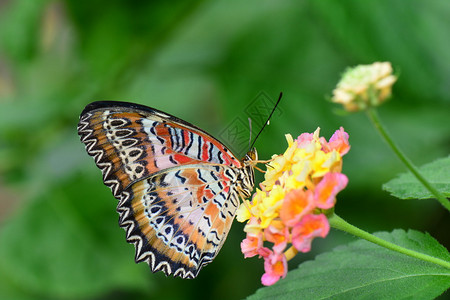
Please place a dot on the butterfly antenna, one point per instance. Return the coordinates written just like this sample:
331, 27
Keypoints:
267, 122
250, 127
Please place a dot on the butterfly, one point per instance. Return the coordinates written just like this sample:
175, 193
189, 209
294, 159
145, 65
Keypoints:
178, 187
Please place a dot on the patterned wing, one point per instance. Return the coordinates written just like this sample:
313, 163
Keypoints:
177, 186
130, 142
179, 218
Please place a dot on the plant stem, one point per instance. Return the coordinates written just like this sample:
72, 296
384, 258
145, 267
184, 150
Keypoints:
339, 223
373, 116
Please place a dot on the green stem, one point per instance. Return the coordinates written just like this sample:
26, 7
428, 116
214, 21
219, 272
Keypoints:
339, 223
373, 116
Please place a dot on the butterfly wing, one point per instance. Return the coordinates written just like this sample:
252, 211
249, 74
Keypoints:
180, 217
130, 141
175, 183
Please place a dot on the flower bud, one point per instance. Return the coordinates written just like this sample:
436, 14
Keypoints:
364, 86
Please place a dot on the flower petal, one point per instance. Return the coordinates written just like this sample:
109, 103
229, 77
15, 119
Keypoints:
251, 244
327, 189
310, 226
275, 267
339, 142
242, 213
277, 234
296, 204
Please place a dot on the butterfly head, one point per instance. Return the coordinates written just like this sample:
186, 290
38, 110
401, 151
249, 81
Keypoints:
250, 157
247, 175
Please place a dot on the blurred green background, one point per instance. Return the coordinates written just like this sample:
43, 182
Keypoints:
205, 62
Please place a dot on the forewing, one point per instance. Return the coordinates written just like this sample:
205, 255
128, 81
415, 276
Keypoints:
130, 142
179, 218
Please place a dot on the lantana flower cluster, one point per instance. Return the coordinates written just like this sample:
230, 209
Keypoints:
289, 208
364, 86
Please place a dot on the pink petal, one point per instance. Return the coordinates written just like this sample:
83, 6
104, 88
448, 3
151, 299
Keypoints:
275, 267
278, 236
327, 189
264, 252
251, 244
304, 140
310, 226
339, 142
296, 204
269, 279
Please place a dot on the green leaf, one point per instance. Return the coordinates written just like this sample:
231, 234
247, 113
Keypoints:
362, 270
406, 186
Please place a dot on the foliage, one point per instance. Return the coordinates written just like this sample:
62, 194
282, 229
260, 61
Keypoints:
362, 270
406, 186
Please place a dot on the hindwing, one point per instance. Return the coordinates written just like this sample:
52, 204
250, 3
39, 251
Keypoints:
180, 217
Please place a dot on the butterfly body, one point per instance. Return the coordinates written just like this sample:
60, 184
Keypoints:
178, 187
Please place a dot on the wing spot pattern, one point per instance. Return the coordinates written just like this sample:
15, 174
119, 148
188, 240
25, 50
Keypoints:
166, 200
